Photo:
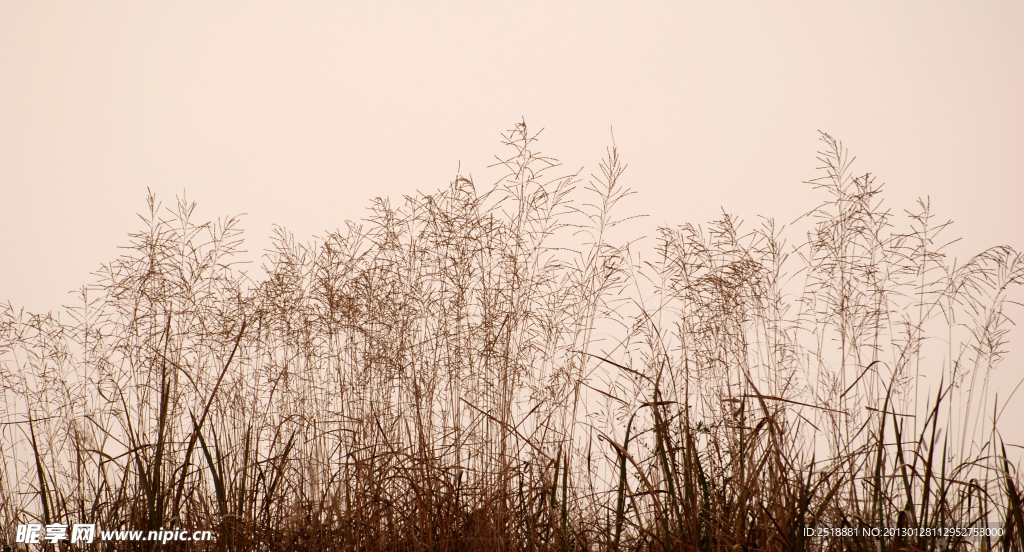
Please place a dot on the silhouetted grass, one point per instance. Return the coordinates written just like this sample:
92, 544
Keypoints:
503, 370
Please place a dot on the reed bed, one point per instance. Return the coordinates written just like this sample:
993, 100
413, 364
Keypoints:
502, 368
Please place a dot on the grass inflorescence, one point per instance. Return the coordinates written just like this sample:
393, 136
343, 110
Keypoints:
502, 369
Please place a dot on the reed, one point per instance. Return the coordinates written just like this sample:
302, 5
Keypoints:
503, 368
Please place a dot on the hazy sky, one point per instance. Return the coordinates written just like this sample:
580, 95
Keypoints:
297, 113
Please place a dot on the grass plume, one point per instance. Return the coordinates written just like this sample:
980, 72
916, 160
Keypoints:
500, 368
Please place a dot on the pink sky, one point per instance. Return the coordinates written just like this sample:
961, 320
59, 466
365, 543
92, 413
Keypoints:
297, 113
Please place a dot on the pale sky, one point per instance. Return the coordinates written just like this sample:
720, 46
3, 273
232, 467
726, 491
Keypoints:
297, 113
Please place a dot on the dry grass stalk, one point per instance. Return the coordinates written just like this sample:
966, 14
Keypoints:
455, 374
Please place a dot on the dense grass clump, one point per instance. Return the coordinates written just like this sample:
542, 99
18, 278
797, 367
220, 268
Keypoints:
502, 369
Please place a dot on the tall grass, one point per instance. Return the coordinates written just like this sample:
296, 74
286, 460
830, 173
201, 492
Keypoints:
503, 369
